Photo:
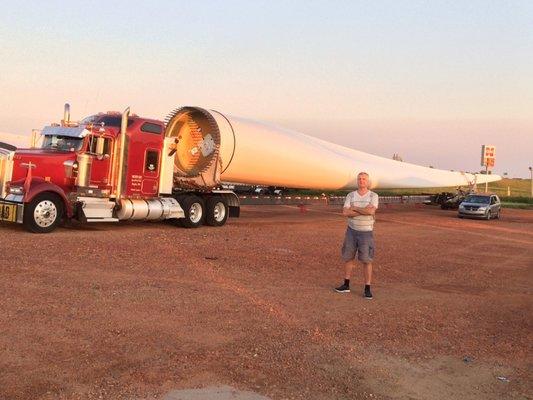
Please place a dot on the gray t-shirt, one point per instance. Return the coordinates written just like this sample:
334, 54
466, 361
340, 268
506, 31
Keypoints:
361, 222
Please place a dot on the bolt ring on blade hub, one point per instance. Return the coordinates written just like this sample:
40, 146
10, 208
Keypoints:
197, 139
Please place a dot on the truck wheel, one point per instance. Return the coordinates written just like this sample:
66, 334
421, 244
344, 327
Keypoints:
487, 216
194, 209
216, 211
43, 214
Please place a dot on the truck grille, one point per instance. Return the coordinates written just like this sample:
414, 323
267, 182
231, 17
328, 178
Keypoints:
6, 169
471, 208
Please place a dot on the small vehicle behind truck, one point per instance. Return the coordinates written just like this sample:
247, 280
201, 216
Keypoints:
111, 167
484, 206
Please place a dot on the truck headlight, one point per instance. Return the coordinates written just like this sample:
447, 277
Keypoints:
482, 208
16, 190
461, 207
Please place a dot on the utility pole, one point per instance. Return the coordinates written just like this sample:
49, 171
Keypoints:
531, 173
486, 183
488, 154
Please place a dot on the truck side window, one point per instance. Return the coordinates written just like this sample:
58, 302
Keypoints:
92, 145
149, 127
152, 159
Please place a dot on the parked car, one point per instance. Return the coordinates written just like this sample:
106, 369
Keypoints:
485, 206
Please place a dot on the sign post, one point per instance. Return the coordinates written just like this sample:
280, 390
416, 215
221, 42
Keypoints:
531, 173
488, 154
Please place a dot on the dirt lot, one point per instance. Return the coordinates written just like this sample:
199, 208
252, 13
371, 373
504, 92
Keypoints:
136, 310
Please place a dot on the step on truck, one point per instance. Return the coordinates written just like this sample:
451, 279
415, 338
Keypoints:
112, 167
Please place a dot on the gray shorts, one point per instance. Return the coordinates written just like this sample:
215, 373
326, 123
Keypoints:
358, 243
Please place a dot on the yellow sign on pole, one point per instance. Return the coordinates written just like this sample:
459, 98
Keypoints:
488, 155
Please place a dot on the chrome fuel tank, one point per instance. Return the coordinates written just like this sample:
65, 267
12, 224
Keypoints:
156, 209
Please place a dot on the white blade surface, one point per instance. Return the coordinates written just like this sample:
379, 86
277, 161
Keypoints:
269, 155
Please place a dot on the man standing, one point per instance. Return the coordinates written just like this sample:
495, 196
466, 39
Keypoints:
360, 207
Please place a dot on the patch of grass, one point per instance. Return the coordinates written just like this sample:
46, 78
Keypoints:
517, 199
520, 190
523, 206
518, 187
414, 192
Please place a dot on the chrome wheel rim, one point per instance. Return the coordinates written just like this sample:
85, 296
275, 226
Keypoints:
219, 212
195, 213
45, 213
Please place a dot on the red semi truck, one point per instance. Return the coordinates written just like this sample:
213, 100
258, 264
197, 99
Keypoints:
115, 166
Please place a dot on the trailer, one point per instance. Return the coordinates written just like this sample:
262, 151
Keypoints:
112, 167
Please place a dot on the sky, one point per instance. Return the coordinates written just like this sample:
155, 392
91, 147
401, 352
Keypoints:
429, 80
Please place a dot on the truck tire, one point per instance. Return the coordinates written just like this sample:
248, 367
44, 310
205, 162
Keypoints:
43, 213
217, 211
194, 209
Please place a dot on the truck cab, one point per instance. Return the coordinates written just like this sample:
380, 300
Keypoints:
144, 142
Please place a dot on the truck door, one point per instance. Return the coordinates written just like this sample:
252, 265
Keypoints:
150, 179
143, 148
101, 161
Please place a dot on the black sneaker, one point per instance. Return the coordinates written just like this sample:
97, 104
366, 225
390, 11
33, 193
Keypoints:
344, 288
368, 294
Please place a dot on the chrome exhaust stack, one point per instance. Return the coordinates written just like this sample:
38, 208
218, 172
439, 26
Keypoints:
66, 115
34, 138
120, 154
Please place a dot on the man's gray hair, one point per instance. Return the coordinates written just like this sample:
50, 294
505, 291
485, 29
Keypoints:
367, 176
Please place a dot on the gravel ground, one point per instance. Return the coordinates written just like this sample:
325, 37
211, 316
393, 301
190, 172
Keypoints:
140, 310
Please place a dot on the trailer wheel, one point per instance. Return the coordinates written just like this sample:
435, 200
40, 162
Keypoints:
43, 213
194, 209
217, 211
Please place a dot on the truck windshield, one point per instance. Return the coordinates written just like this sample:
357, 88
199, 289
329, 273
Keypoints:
65, 143
477, 199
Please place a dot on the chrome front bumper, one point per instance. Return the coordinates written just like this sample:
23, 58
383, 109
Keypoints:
475, 214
